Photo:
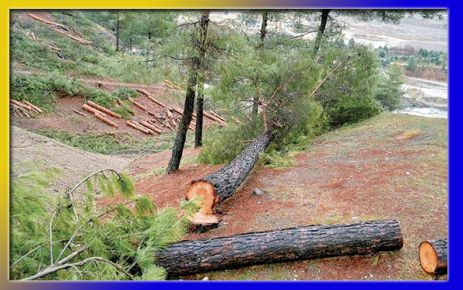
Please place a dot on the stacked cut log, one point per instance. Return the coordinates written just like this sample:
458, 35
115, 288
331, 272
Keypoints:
300, 243
151, 127
433, 256
101, 113
139, 127
215, 188
24, 109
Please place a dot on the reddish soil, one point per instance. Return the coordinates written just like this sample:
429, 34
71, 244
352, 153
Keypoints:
344, 177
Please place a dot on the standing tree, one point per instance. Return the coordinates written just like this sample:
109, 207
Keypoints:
199, 38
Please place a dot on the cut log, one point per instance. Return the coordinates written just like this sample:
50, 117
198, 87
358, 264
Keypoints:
22, 105
103, 109
142, 91
93, 110
139, 127
220, 185
79, 112
217, 116
105, 120
433, 256
300, 243
151, 127
137, 104
34, 107
213, 118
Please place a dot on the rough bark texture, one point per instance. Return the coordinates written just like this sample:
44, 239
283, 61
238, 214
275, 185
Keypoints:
188, 108
321, 29
433, 256
199, 113
291, 244
227, 179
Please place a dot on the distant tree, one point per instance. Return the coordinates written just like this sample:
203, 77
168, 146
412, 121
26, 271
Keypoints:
411, 64
389, 92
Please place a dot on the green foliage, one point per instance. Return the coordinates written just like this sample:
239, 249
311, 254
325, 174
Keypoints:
116, 233
42, 90
347, 95
389, 92
222, 145
411, 64
124, 93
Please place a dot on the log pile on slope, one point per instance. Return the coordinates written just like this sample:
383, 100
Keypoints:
300, 243
23, 109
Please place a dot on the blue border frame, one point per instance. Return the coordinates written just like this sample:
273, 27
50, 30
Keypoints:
455, 276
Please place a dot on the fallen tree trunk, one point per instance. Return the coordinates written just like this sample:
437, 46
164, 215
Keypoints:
139, 127
220, 185
433, 256
291, 244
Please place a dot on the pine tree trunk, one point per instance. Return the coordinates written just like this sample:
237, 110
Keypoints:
220, 185
117, 31
291, 244
188, 108
433, 256
263, 33
321, 29
199, 111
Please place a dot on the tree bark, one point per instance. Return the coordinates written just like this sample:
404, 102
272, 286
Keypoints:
220, 185
263, 33
188, 108
291, 244
433, 256
321, 29
118, 23
199, 111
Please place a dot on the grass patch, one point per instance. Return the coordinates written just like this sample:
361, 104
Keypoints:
110, 144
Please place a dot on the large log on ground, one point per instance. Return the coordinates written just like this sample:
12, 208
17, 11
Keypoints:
220, 185
151, 127
103, 109
433, 256
291, 244
137, 104
137, 126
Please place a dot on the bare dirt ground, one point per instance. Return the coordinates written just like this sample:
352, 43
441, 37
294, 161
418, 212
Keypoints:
391, 167
29, 148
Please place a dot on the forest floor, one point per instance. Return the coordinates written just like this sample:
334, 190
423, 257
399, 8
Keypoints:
390, 167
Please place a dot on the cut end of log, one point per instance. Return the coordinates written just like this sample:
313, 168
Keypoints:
204, 219
205, 194
428, 257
